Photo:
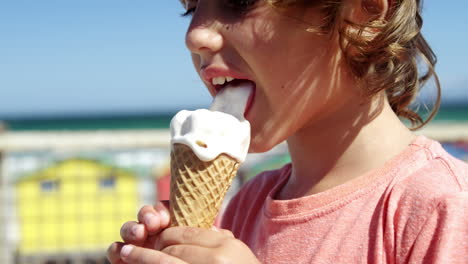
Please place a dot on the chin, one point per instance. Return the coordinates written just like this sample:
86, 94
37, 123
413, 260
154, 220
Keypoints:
260, 146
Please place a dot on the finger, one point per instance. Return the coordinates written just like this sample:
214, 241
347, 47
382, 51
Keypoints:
227, 233
155, 218
133, 233
223, 231
194, 254
163, 209
189, 235
132, 254
113, 253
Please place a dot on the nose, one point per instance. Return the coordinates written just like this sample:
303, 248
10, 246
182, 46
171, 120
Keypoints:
202, 39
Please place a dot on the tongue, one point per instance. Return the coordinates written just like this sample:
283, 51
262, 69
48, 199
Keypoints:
233, 98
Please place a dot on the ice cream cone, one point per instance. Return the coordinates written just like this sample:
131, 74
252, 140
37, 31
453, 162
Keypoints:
198, 187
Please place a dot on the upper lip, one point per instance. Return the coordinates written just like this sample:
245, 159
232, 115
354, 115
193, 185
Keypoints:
209, 72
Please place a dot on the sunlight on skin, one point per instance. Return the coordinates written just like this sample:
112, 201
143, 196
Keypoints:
311, 85
300, 88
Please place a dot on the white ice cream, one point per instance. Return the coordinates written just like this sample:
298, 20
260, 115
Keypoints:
221, 129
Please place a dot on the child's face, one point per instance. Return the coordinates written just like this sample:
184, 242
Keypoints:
296, 73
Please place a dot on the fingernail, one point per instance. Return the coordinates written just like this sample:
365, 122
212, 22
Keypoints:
214, 228
164, 217
126, 250
150, 219
137, 230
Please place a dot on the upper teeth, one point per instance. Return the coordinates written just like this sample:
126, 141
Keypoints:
221, 80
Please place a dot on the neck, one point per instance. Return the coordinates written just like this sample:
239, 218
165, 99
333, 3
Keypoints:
343, 147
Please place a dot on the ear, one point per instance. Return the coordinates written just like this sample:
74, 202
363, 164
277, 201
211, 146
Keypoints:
365, 11
375, 9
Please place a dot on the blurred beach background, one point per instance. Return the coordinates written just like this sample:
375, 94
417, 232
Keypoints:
88, 89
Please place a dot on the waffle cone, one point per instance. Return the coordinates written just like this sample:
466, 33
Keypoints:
198, 187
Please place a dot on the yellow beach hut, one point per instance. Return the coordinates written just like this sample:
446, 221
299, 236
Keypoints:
74, 205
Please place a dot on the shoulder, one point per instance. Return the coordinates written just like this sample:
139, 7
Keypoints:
427, 196
437, 185
435, 175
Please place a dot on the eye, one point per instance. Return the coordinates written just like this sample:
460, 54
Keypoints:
241, 5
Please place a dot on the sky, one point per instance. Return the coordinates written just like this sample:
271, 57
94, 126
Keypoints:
88, 57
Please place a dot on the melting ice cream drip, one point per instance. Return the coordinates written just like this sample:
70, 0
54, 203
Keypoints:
221, 129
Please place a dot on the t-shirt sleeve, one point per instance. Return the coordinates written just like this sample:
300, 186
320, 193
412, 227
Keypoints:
443, 237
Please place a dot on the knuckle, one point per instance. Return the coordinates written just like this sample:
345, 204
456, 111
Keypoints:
189, 233
175, 250
228, 233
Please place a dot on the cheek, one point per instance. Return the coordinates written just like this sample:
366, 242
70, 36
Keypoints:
290, 98
196, 62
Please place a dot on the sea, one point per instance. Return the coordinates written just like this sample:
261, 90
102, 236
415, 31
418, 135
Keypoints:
157, 120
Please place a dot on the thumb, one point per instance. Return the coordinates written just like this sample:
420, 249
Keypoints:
132, 254
223, 231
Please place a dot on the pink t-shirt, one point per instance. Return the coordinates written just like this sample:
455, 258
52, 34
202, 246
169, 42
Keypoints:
412, 210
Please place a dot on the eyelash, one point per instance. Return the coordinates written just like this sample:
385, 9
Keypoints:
237, 5
189, 12
241, 4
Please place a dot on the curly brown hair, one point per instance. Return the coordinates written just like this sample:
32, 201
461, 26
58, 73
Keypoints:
391, 59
